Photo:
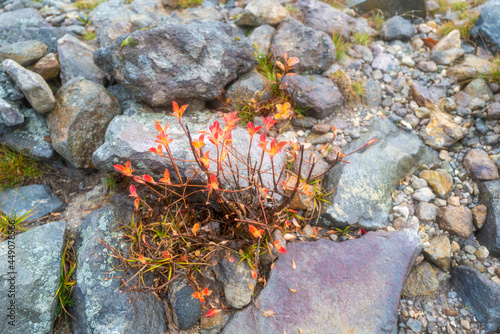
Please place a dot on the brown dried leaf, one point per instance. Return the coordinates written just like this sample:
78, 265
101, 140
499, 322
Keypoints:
268, 313
294, 266
250, 286
289, 237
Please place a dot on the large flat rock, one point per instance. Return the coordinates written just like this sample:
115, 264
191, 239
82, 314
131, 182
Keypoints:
364, 186
348, 287
37, 267
99, 305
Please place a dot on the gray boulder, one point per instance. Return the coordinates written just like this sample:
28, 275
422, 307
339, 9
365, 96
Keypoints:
318, 96
8, 88
261, 38
364, 187
489, 234
126, 11
129, 137
365, 274
397, 28
481, 295
323, 17
391, 8
177, 62
25, 53
32, 137
99, 305
27, 24
37, 270
315, 49
487, 27
33, 86
38, 198
79, 121
76, 60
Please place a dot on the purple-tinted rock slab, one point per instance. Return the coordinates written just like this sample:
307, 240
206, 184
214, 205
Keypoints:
347, 287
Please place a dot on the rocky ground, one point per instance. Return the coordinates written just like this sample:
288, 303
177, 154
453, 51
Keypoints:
82, 84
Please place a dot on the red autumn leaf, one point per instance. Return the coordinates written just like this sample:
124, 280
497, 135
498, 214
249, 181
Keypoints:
166, 255
166, 177
148, 178
196, 295
212, 312
280, 248
141, 259
252, 130
363, 232
133, 193
254, 274
213, 185
126, 170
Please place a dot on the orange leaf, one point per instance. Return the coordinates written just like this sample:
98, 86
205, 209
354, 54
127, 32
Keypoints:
430, 42
255, 231
133, 193
292, 290
148, 178
250, 286
212, 312
268, 313
141, 259
294, 266
254, 274
196, 227
196, 295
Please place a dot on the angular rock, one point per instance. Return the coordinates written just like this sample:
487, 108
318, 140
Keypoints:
24, 53
479, 166
450, 41
248, 86
99, 305
441, 132
423, 96
9, 114
364, 274
76, 60
456, 220
363, 195
38, 198
470, 68
186, 310
489, 234
31, 138
373, 93
129, 137
259, 12
48, 67
315, 49
479, 214
397, 28
486, 30
427, 66
261, 38
424, 194
318, 96
177, 62
439, 251
421, 281
26, 25
38, 267
382, 62
478, 88
494, 111
107, 34
235, 277
390, 7
123, 11
481, 295
323, 17
427, 211
33, 86
79, 121
439, 180
446, 57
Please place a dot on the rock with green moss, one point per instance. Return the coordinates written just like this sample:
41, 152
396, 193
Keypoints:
100, 307
37, 267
